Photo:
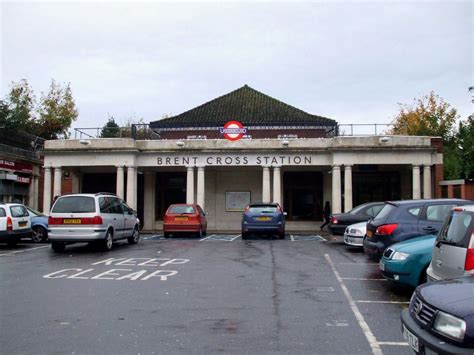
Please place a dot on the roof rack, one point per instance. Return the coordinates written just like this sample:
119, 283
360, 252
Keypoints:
105, 193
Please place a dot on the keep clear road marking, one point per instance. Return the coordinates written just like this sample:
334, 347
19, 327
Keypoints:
221, 237
360, 318
22, 251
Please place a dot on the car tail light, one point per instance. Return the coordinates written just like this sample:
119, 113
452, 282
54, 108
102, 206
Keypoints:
469, 264
333, 220
9, 224
93, 220
54, 221
386, 229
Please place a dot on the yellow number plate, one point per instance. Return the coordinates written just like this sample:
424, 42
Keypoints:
22, 224
181, 218
369, 233
72, 221
263, 218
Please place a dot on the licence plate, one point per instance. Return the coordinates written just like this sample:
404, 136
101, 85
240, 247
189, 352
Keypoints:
369, 233
72, 221
382, 265
181, 218
263, 218
22, 224
411, 338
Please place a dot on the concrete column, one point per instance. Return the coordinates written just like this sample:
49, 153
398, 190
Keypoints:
427, 181
347, 188
58, 174
149, 201
266, 195
336, 189
190, 185
131, 187
416, 182
277, 185
31, 192
36, 193
47, 190
76, 183
120, 190
201, 195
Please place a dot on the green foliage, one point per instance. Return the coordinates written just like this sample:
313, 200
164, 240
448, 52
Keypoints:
110, 130
17, 109
465, 147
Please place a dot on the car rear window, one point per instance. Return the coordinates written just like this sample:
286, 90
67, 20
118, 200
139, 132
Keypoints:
262, 209
457, 229
181, 210
384, 212
74, 204
358, 209
19, 211
2, 213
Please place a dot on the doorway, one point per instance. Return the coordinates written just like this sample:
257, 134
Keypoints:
303, 195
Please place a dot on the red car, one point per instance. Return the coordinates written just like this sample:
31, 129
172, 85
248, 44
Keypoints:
184, 218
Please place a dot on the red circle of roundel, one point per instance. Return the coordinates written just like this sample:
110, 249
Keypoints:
233, 130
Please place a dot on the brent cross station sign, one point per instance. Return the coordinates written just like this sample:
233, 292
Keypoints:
236, 160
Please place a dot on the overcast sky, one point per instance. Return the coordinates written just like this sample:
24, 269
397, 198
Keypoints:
347, 60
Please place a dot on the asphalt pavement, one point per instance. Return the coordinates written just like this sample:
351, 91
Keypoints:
307, 294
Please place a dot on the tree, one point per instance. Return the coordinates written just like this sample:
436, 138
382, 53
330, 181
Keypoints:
17, 110
465, 147
57, 111
428, 116
110, 130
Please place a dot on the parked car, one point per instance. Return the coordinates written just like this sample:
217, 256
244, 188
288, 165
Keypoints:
15, 223
361, 213
402, 220
39, 226
354, 234
453, 253
101, 218
263, 218
406, 262
440, 318
184, 218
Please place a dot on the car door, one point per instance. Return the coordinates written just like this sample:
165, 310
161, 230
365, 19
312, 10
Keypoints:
118, 215
3, 220
203, 218
109, 217
433, 217
129, 219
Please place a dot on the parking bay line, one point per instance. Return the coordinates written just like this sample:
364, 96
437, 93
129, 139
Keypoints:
361, 279
382, 302
22, 251
360, 318
393, 343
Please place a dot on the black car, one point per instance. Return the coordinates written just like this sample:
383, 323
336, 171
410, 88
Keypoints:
361, 213
440, 318
402, 220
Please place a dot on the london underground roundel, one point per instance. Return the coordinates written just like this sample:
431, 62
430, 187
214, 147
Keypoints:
233, 130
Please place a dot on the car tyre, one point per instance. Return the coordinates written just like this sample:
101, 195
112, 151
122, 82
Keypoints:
281, 236
135, 237
108, 241
57, 246
245, 235
39, 235
166, 235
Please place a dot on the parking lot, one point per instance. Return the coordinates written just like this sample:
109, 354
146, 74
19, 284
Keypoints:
305, 294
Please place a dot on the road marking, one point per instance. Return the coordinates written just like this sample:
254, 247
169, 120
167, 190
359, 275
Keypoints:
361, 279
212, 235
360, 318
234, 238
382, 302
291, 237
309, 237
393, 343
357, 263
22, 251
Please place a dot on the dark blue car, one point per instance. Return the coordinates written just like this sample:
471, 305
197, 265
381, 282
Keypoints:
440, 318
263, 218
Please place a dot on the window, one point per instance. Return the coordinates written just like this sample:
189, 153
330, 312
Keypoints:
373, 211
181, 209
115, 205
19, 211
104, 204
74, 204
263, 209
457, 230
2, 213
386, 210
414, 211
438, 212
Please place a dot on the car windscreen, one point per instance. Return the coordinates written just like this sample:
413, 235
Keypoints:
262, 209
384, 212
35, 212
457, 229
181, 210
18, 211
74, 204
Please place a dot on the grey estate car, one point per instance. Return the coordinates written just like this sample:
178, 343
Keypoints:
102, 218
453, 252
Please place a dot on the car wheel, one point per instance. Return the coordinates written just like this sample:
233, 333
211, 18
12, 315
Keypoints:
245, 235
57, 246
200, 234
166, 235
135, 237
39, 234
108, 241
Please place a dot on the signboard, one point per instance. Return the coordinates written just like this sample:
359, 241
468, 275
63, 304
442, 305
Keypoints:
16, 166
236, 160
236, 201
233, 130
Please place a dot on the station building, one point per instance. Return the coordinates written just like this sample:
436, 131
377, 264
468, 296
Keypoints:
273, 152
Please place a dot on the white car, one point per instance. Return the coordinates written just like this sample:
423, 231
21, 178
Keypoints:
354, 234
15, 223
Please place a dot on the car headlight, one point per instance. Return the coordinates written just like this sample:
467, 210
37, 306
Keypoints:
398, 255
450, 326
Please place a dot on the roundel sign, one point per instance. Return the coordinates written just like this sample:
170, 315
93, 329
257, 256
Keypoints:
233, 130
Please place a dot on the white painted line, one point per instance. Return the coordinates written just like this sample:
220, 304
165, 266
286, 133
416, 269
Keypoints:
212, 235
291, 237
357, 263
360, 318
393, 343
22, 251
361, 279
234, 238
382, 302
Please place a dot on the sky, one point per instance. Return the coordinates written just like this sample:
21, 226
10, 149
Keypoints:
351, 61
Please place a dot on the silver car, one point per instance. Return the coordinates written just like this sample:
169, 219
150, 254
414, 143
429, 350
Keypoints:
102, 218
354, 234
453, 253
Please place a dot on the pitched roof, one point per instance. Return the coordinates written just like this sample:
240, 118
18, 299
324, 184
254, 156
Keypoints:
247, 105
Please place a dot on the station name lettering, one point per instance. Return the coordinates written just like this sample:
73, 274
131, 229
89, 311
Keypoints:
235, 160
